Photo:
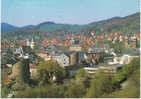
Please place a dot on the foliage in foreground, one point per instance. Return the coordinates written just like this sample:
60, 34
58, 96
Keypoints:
101, 86
130, 72
102, 83
56, 91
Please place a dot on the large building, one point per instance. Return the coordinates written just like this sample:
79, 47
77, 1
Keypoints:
66, 58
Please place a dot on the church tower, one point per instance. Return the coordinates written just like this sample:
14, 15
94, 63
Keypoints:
32, 44
27, 42
120, 39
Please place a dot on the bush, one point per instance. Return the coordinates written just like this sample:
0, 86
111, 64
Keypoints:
46, 91
131, 91
83, 77
4, 91
75, 91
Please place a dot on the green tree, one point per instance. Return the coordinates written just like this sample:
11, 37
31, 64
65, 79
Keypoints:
117, 46
128, 70
102, 83
82, 76
50, 69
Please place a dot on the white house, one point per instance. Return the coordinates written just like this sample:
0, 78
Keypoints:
62, 59
126, 59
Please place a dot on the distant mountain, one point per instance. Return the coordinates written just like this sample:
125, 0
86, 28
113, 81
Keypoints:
48, 22
119, 24
128, 24
53, 27
105, 21
28, 26
5, 27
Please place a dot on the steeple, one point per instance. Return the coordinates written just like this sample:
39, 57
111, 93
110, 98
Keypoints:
32, 44
27, 42
120, 38
134, 37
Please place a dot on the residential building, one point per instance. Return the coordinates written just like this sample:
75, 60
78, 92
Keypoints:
22, 51
62, 59
66, 58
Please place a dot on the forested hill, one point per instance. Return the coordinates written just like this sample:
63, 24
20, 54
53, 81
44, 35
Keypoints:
126, 24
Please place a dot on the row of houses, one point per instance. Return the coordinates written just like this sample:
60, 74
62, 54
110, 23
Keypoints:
70, 58
91, 39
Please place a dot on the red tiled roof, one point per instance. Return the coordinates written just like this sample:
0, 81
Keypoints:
90, 43
67, 43
21, 43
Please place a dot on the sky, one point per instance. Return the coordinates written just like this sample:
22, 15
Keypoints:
32, 12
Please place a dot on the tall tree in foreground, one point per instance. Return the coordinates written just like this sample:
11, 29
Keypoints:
50, 71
